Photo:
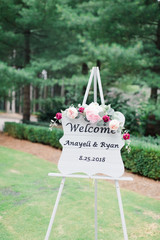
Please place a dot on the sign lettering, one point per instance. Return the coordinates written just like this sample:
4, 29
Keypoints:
90, 149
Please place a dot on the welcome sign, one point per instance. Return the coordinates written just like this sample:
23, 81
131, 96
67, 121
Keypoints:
92, 142
90, 148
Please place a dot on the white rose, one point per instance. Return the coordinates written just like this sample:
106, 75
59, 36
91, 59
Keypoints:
72, 112
93, 107
114, 124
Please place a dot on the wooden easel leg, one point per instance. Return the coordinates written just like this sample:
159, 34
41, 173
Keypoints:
55, 209
121, 210
95, 213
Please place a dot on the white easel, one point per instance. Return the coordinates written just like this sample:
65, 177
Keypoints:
96, 75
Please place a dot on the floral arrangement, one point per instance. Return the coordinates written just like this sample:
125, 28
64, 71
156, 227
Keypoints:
95, 114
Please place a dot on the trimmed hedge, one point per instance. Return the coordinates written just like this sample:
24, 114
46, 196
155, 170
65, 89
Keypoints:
34, 133
144, 158
40, 124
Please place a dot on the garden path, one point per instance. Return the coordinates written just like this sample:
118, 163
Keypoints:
12, 117
142, 185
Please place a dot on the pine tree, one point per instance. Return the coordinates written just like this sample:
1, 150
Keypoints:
128, 22
29, 28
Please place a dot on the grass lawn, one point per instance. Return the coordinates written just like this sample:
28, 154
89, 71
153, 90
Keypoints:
27, 196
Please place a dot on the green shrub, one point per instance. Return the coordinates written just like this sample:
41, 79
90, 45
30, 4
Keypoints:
144, 158
42, 124
34, 133
15, 130
149, 117
149, 139
50, 107
118, 103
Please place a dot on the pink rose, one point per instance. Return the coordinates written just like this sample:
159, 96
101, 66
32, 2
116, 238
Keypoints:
92, 111
92, 117
72, 112
114, 124
81, 110
106, 118
94, 107
126, 136
58, 115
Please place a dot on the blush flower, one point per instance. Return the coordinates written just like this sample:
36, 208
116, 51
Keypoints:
92, 112
72, 113
106, 118
92, 117
126, 136
58, 115
81, 109
114, 124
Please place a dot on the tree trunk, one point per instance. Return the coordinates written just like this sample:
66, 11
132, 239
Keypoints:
26, 103
26, 97
99, 64
20, 100
8, 103
84, 68
13, 102
154, 94
36, 98
62, 90
45, 92
154, 90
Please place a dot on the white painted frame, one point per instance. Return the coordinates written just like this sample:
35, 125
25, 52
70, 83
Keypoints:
96, 76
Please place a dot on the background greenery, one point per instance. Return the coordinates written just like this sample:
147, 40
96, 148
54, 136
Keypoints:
144, 157
27, 196
66, 38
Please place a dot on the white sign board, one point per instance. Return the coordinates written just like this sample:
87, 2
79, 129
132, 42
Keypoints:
91, 149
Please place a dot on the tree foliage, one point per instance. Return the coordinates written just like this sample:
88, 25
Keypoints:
66, 38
